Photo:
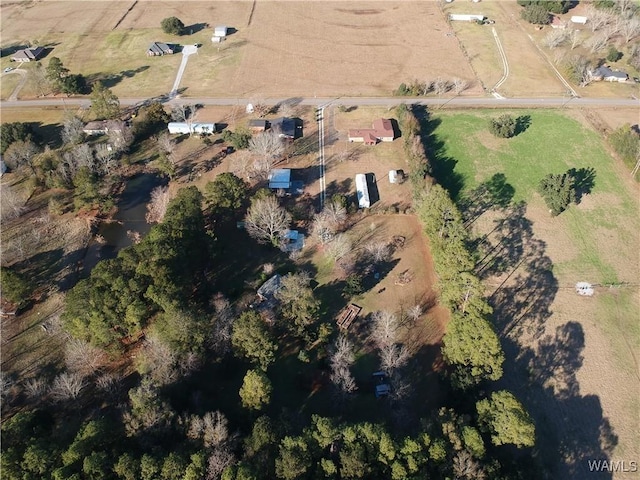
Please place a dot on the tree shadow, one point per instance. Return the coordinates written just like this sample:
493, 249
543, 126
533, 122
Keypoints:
442, 165
495, 193
195, 28
523, 122
396, 128
584, 179
112, 79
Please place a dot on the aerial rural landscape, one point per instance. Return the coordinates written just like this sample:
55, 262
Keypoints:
255, 239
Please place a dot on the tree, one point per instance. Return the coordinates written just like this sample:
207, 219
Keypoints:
14, 131
83, 358
536, 14
20, 154
267, 147
72, 130
56, 72
255, 392
504, 126
13, 286
613, 55
103, 101
266, 221
227, 193
252, 339
506, 419
73, 84
294, 459
298, 306
67, 386
172, 26
157, 206
626, 142
558, 192
473, 348
239, 139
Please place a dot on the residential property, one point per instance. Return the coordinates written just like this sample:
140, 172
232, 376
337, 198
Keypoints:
102, 127
280, 178
158, 49
189, 128
466, 18
382, 131
269, 288
286, 127
558, 23
605, 73
292, 241
28, 54
362, 191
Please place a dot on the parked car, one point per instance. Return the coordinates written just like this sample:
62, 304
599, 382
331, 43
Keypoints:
636, 79
8, 69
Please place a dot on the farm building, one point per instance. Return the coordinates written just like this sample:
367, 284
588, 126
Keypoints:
257, 126
157, 49
362, 191
220, 31
579, 19
458, 17
286, 127
608, 75
280, 178
28, 54
382, 131
200, 128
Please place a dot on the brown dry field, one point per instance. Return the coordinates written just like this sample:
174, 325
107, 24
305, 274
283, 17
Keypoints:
278, 48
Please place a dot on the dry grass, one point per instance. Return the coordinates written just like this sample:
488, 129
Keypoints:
7, 84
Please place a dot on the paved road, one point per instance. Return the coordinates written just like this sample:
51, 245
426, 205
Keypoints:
565, 101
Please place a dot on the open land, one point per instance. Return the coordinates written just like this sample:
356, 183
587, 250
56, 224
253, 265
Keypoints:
572, 359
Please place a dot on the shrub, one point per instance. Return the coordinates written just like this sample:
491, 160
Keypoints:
504, 126
172, 26
536, 14
558, 191
614, 55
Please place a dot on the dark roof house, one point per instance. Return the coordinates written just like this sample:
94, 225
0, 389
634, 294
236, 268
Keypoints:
286, 127
159, 48
605, 73
28, 54
269, 288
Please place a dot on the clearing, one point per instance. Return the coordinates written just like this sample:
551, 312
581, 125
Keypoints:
569, 358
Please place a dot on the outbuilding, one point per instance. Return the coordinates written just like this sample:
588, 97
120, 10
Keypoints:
220, 31
280, 178
199, 128
579, 19
466, 18
362, 191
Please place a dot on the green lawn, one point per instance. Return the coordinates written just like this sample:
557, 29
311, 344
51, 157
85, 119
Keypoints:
553, 143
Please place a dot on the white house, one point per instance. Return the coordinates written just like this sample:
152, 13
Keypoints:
608, 75
200, 128
466, 18
579, 19
362, 190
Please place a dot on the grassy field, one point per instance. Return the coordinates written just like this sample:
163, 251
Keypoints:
8, 83
571, 358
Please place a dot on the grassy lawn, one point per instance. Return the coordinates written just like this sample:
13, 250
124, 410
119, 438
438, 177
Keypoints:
8, 84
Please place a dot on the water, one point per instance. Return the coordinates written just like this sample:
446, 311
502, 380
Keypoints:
132, 208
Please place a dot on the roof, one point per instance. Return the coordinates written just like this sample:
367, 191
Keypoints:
287, 126
270, 287
258, 123
220, 30
28, 53
604, 71
280, 178
382, 128
160, 48
293, 241
95, 126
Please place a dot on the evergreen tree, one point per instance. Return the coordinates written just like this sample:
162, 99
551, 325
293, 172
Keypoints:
558, 192
103, 102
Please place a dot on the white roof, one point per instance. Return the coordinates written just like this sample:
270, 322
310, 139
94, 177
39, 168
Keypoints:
362, 191
280, 178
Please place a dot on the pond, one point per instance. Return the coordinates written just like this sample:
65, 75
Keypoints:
130, 217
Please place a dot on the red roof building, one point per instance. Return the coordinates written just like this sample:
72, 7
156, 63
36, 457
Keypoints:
382, 131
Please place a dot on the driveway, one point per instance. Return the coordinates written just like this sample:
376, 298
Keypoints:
14, 95
187, 50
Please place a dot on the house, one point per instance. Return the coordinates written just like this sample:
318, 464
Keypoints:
362, 191
605, 73
466, 18
158, 49
382, 131
257, 126
292, 241
280, 178
579, 19
220, 31
557, 22
286, 127
28, 54
269, 288
199, 128
99, 127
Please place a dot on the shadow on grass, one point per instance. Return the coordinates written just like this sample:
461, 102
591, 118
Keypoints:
442, 165
584, 179
523, 122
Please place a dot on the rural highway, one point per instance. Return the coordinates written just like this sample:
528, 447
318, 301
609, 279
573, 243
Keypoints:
566, 101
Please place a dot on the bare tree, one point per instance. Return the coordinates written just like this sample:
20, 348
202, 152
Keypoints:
120, 135
72, 129
339, 247
219, 460
83, 358
266, 221
184, 112
575, 38
337, 214
67, 386
158, 361
322, 227
378, 251
267, 146
109, 383
598, 18
393, 357
83, 156
11, 202
165, 143
441, 86
630, 28
220, 339
415, 312
581, 69
215, 430
157, 206
341, 357
597, 42
39, 75
384, 329
465, 467
556, 37
36, 388
459, 85
20, 154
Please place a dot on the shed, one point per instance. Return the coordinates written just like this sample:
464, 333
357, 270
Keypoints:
269, 288
393, 176
579, 19
362, 191
292, 241
258, 125
220, 31
280, 178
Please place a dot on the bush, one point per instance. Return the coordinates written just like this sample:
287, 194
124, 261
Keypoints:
504, 126
554, 6
614, 55
536, 14
626, 143
558, 192
172, 26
